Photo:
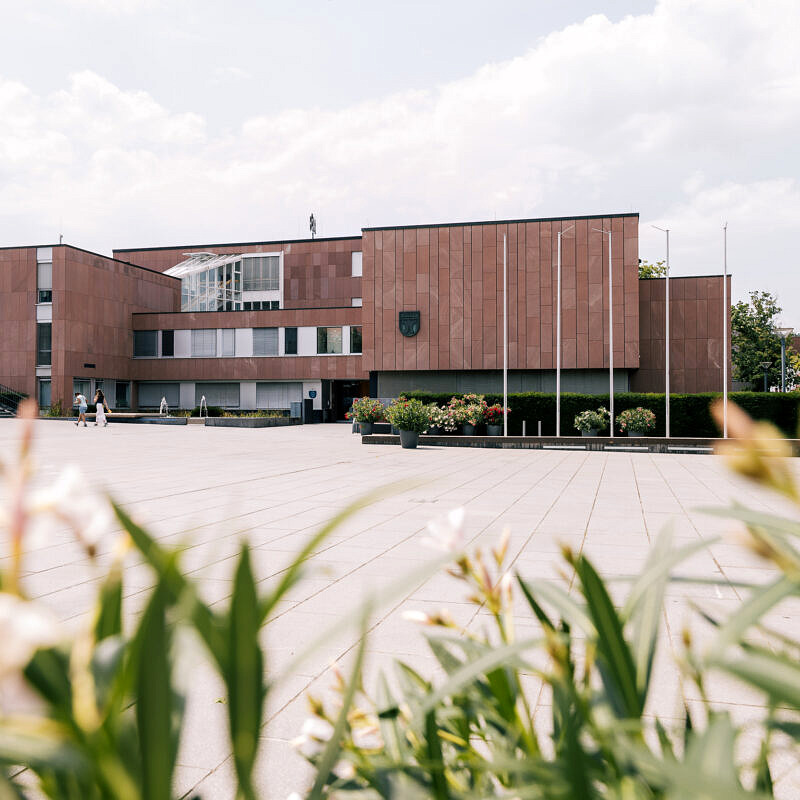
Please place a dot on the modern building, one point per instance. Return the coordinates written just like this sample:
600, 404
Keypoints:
261, 324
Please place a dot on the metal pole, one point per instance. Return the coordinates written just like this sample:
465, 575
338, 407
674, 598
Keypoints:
666, 367
765, 379
725, 331
783, 363
610, 336
558, 340
505, 339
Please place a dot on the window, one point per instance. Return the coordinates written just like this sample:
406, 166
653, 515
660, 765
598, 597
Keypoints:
204, 343
223, 395
122, 394
150, 394
228, 342
356, 265
262, 305
145, 344
355, 339
278, 395
167, 344
329, 340
261, 274
290, 342
356, 302
44, 281
265, 341
44, 344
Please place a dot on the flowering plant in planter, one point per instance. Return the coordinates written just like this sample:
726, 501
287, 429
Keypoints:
468, 409
441, 418
493, 415
592, 420
408, 415
637, 420
366, 409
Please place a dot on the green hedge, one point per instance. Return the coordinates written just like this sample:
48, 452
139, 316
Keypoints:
689, 413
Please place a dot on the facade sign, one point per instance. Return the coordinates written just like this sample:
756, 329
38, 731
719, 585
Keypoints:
409, 323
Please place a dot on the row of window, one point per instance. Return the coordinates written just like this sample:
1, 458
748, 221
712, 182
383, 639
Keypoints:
265, 342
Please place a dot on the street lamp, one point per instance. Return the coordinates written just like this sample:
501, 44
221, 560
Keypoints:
666, 338
783, 333
765, 365
558, 334
610, 331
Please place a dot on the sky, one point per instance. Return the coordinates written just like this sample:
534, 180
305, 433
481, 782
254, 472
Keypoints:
135, 123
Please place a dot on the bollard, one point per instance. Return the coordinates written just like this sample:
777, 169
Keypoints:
523, 427
540, 427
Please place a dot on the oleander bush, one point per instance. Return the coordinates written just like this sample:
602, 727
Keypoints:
366, 409
636, 420
596, 420
409, 415
689, 413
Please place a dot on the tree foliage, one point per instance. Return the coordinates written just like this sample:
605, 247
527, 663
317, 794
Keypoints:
648, 270
753, 341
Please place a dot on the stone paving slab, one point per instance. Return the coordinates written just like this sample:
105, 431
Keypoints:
210, 488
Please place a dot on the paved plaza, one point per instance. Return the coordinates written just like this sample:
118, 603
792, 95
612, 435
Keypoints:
211, 487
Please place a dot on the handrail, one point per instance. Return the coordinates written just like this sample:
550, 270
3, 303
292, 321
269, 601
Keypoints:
10, 398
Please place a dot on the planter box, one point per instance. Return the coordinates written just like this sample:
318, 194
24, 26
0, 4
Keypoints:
409, 439
590, 432
250, 422
494, 430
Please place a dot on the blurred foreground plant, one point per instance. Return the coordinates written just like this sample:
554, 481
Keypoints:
102, 710
472, 734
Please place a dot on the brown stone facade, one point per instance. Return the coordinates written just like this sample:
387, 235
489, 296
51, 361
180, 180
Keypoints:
317, 272
695, 308
18, 318
452, 274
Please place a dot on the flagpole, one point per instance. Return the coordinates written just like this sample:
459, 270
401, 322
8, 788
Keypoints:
505, 337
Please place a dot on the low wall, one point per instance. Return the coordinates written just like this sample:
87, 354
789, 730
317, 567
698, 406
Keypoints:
648, 444
251, 422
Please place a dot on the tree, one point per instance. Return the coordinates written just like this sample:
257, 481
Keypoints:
648, 270
753, 341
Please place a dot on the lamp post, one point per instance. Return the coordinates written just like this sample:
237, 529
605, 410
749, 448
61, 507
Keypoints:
610, 331
783, 333
666, 338
725, 331
558, 333
765, 365
505, 337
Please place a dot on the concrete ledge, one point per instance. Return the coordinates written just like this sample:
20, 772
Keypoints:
251, 422
648, 444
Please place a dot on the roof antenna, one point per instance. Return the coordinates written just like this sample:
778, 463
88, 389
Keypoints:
60, 237
312, 225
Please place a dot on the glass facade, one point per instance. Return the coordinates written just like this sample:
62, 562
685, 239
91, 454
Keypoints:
122, 395
204, 343
265, 341
214, 289
167, 344
45, 393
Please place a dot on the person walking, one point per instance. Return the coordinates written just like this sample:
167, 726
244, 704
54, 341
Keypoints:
81, 401
100, 407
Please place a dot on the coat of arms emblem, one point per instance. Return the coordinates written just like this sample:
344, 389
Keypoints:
409, 323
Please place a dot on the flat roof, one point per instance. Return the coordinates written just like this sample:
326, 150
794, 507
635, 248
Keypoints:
236, 244
90, 252
500, 221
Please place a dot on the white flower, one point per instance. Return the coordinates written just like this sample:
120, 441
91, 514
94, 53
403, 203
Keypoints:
447, 534
313, 736
344, 770
25, 626
367, 737
416, 616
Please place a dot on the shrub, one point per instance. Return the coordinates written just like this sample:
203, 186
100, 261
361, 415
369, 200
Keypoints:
365, 409
689, 413
441, 417
409, 415
592, 420
636, 420
468, 409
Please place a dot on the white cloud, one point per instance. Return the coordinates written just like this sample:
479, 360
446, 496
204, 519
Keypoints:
688, 114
